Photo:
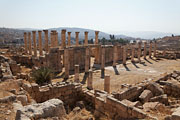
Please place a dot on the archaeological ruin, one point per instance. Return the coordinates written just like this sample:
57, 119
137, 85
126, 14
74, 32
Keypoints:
111, 82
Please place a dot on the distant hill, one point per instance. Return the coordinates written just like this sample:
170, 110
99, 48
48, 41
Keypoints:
10, 34
146, 34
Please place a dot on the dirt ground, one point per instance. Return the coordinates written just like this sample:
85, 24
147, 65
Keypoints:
131, 74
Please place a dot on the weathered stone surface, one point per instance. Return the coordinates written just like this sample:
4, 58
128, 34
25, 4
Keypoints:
145, 96
8, 99
155, 89
132, 104
50, 108
153, 106
162, 99
176, 114
23, 99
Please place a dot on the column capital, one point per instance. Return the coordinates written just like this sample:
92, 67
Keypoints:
86, 32
96, 32
69, 33
77, 32
29, 33
63, 30
25, 33
34, 32
39, 31
45, 31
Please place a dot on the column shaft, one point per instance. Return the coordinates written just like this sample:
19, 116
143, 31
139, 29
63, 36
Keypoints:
34, 43
133, 52
139, 52
86, 38
76, 77
150, 49
145, 50
25, 42
46, 46
87, 60
124, 55
69, 38
90, 80
63, 38
107, 83
96, 37
77, 38
66, 63
155, 48
40, 43
30, 47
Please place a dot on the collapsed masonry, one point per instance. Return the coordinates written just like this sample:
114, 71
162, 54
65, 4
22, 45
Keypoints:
131, 101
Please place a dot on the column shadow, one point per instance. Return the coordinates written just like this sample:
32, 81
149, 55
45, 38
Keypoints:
85, 78
143, 63
148, 61
135, 64
127, 69
115, 70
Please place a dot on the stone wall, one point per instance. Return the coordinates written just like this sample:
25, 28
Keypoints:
67, 92
106, 105
77, 57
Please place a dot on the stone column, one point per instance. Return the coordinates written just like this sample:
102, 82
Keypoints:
155, 47
29, 39
34, 43
124, 55
107, 83
63, 38
66, 63
69, 38
164, 53
132, 52
97, 54
114, 55
56, 39
25, 42
139, 52
145, 50
40, 43
86, 38
90, 80
150, 49
102, 62
46, 45
52, 43
76, 70
96, 37
77, 38
87, 60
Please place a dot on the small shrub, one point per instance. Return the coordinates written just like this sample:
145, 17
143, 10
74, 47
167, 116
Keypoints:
42, 75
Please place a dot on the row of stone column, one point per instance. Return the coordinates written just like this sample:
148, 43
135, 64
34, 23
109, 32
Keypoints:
53, 39
139, 52
124, 56
90, 79
28, 43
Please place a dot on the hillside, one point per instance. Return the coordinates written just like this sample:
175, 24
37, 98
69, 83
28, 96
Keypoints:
10, 34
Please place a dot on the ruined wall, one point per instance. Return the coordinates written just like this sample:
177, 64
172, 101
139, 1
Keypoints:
67, 92
112, 108
77, 56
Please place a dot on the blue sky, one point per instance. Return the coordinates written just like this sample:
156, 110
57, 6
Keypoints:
104, 15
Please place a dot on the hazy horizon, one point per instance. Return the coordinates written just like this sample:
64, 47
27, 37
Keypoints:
104, 15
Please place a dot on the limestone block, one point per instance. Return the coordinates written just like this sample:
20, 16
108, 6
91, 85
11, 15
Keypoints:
176, 114
155, 89
23, 99
50, 108
162, 99
145, 96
